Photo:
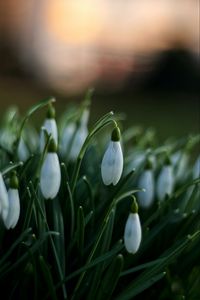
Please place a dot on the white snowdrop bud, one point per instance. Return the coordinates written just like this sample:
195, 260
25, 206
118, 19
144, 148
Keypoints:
14, 203
74, 136
50, 177
4, 203
80, 135
50, 126
196, 168
66, 138
78, 141
146, 181
180, 161
112, 163
133, 232
22, 150
165, 183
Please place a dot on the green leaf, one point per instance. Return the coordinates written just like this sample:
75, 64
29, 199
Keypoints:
71, 202
42, 213
11, 167
80, 230
142, 266
32, 250
139, 284
95, 262
111, 278
130, 293
22, 236
48, 278
58, 225
104, 247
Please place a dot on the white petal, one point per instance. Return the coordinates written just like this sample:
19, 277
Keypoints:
22, 150
3, 199
112, 164
14, 209
50, 177
165, 182
132, 233
137, 160
107, 165
67, 138
78, 141
196, 168
175, 158
181, 167
146, 181
118, 164
85, 117
51, 128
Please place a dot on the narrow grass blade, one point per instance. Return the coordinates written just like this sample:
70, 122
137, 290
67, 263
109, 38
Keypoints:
111, 278
48, 278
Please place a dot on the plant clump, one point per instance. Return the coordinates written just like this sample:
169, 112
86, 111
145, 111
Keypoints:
96, 211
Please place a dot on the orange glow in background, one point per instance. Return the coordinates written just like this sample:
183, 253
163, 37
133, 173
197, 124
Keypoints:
70, 45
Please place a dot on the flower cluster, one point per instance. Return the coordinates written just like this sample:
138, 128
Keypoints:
154, 182
66, 192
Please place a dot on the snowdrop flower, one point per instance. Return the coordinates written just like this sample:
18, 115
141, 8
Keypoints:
22, 150
74, 136
112, 163
196, 168
195, 174
133, 232
136, 161
146, 181
180, 162
139, 158
79, 139
14, 204
50, 126
165, 181
4, 204
67, 138
50, 177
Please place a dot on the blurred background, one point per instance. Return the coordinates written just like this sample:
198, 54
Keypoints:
142, 57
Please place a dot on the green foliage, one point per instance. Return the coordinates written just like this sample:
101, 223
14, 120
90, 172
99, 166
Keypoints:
72, 247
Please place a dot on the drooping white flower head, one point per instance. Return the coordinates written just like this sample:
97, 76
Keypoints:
133, 231
50, 177
79, 139
22, 150
112, 163
165, 182
67, 138
180, 162
75, 134
50, 126
196, 168
4, 203
146, 181
14, 203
